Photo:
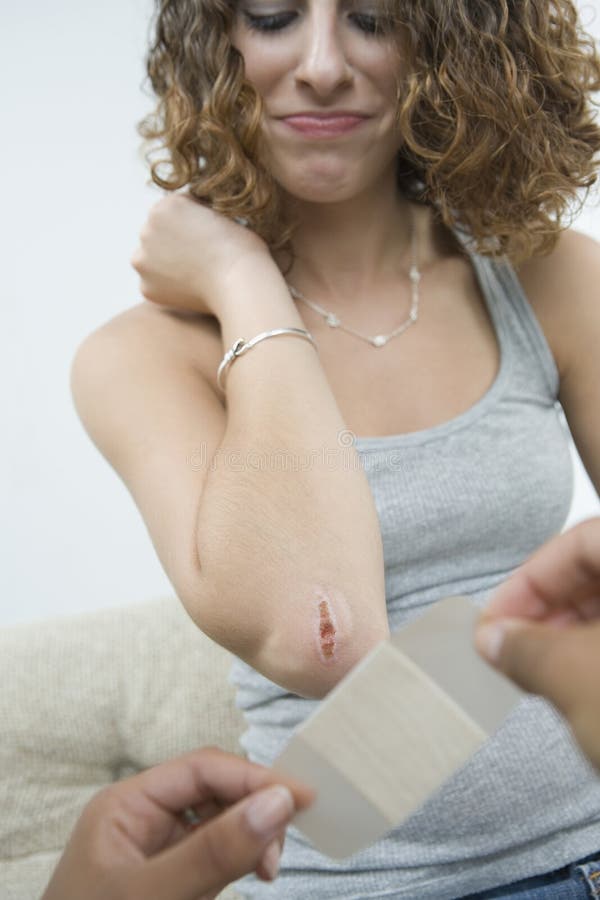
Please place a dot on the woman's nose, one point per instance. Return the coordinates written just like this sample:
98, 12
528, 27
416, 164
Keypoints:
323, 62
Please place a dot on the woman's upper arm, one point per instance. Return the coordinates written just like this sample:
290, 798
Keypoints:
566, 297
157, 421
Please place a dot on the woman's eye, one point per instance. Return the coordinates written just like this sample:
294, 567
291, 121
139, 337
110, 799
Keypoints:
269, 23
372, 24
369, 24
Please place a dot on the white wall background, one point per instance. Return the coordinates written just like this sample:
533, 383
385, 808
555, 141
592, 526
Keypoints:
74, 197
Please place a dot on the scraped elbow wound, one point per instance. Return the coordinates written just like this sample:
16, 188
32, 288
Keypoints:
327, 632
331, 615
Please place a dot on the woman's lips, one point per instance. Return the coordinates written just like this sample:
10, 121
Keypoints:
320, 127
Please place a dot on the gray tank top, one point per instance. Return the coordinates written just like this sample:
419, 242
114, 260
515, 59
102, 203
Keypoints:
460, 506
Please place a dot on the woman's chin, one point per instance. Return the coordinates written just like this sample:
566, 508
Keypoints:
319, 188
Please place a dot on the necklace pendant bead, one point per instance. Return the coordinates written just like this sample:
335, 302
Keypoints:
415, 275
333, 320
379, 341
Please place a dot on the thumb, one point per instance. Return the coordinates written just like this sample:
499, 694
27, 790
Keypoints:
529, 654
228, 847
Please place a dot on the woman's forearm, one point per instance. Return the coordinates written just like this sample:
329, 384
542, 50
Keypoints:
288, 534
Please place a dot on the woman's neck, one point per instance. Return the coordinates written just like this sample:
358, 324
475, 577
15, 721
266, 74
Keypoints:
344, 251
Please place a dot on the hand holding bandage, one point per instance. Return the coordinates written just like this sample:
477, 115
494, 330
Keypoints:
542, 629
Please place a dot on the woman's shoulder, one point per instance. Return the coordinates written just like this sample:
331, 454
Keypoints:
563, 289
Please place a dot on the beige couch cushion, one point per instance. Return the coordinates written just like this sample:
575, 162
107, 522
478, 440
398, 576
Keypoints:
87, 700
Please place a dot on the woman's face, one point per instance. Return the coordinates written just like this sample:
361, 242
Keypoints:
323, 56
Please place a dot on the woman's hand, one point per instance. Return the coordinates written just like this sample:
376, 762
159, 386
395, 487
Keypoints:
542, 629
185, 251
130, 842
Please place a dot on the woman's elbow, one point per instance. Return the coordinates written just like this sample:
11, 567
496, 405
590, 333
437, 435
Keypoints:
311, 650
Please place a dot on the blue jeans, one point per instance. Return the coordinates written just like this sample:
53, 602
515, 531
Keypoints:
578, 881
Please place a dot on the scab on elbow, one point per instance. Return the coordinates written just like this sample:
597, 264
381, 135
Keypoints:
331, 625
327, 632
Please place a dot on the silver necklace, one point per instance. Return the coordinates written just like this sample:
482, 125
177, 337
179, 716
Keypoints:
378, 340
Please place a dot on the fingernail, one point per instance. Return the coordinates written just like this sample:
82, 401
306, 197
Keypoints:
271, 860
488, 640
270, 809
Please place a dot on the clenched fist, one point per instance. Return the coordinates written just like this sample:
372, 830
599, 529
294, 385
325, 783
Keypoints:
187, 251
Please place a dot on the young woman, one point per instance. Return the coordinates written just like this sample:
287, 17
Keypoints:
403, 169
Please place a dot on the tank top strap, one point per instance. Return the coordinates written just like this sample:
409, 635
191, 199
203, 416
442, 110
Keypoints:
519, 332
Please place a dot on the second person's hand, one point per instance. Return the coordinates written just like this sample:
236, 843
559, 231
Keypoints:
541, 628
130, 840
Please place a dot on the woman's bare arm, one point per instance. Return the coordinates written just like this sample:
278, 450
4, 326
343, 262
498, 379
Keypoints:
270, 544
260, 514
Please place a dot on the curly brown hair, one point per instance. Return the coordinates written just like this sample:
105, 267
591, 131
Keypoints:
495, 108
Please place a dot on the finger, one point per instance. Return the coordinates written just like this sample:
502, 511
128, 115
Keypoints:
267, 869
268, 866
562, 665
220, 852
150, 802
555, 663
195, 816
564, 572
208, 775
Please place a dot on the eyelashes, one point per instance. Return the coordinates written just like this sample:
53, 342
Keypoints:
268, 23
370, 25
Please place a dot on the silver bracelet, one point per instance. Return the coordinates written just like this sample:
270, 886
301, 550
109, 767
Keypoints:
241, 346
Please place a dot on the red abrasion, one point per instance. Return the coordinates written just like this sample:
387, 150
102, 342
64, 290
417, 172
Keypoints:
326, 630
